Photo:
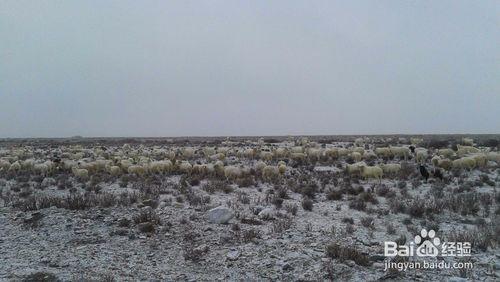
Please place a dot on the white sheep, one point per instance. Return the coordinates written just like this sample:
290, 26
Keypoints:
391, 169
16, 166
69, 164
185, 167
78, 156
125, 164
88, 165
464, 150
370, 155
355, 168
303, 141
481, 159
224, 150
170, 155
421, 155
298, 157
188, 153
270, 172
446, 152
114, 170
80, 173
259, 166
342, 152
356, 156
12, 159
280, 153
464, 163
282, 167
383, 152
372, 172
160, 166
468, 141
494, 157
435, 160
314, 154
28, 164
266, 155
359, 150
4, 165
331, 153
445, 164
469, 163
167, 165
400, 151
209, 169
360, 142
249, 153
42, 169
217, 156
260, 141
209, 151
219, 168
416, 141
199, 169
100, 165
138, 170
126, 147
232, 172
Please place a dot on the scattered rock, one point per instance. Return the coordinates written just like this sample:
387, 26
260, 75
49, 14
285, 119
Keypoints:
161, 205
220, 215
350, 263
256, 209
233, 255
150, 203
266, 214
377, 257
287, 267
201, 249
119, 232
146, 227
33, 218
124, 222
48, 181
251, 221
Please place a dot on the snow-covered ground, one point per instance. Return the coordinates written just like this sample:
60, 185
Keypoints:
158, 227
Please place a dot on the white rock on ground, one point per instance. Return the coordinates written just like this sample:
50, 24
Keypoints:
220, 215
266, 214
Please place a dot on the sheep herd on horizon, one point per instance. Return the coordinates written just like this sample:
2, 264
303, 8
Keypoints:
233, 160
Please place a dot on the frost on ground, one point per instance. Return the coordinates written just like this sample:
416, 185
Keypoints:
266, 209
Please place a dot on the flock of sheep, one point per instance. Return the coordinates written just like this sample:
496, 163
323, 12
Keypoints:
465, 157
236, 160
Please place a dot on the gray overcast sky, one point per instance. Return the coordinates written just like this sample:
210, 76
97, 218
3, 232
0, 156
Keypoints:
171, 68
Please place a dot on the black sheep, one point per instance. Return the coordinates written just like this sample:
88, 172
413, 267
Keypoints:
412, 149
424, 172
437, 173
